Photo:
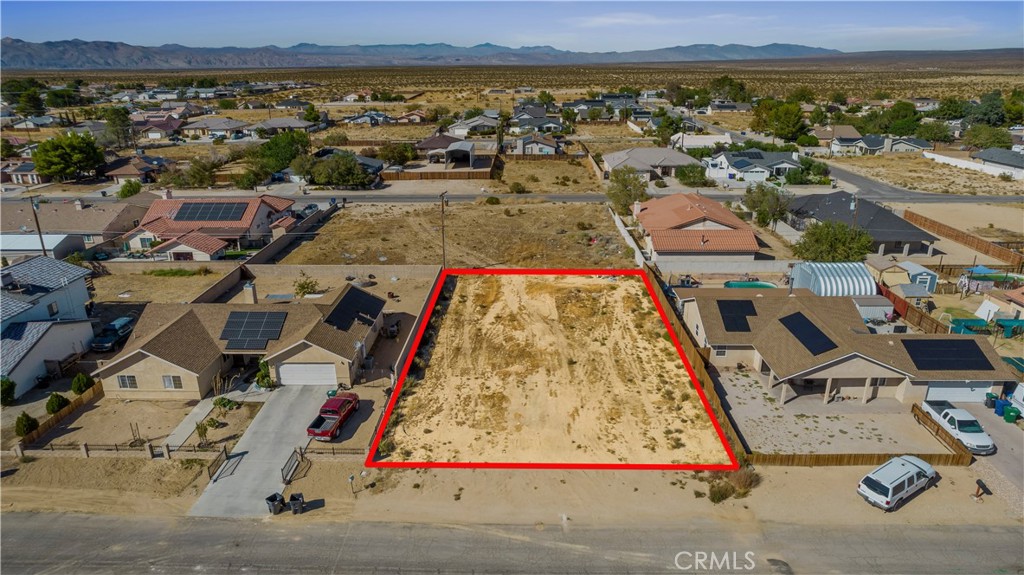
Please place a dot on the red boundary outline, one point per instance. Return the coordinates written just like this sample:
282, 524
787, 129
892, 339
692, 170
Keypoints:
396, 393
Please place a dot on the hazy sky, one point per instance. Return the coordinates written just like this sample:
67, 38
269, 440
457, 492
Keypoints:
586, 26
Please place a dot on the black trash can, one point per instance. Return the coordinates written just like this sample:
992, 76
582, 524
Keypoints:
296, 502
275, 503
990, 400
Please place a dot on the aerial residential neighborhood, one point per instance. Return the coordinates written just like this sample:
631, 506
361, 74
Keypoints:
368, 292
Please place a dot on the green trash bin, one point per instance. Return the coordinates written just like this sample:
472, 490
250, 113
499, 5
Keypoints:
1010, 414
332, 392
990, 400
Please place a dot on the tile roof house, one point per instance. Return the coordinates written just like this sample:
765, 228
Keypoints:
650, 163
684, 228
192, 246
873, 144
43, 317
177, 350
413, 117
889, 232
802, 344
240, 222
95, 222
750, 165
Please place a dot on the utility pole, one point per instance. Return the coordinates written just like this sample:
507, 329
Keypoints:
444, 202
39, 229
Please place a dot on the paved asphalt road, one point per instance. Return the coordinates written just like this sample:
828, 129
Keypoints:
47, 543
254, 469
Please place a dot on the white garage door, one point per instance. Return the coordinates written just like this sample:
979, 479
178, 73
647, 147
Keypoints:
307, 374
959, 391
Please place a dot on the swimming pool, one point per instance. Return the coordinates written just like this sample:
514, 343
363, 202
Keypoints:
739, 284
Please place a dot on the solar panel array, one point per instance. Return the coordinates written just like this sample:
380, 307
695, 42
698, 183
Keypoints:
808, 334
252, 329
210, 212
946, 355
735, 312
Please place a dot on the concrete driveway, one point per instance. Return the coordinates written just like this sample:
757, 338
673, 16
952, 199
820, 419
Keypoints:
253, 470
1009, 456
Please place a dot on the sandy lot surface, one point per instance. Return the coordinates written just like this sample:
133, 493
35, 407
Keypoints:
510, 234
1007, 220
731, 120
363, 132
33, 403
119, 486
550, 176
108, 421
605, 130
915, 172
125, 288
562, 499
609, 145
558, 369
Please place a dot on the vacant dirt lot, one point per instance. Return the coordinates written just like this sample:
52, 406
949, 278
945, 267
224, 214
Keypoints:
125, 288
605, 130
362, 132
997, 222
510, 234
555, 369
731, 120
915, 172
106, 485
549, 176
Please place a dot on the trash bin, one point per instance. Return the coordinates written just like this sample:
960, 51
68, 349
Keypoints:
332, 392
275, 503
103, 193
990, 400
1001, 405
1011, 414
296, 502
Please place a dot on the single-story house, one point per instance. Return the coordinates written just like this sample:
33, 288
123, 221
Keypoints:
826, 134
413, 117
750, 165
717, 107
25, 174
530, 124
145, 169
803, 344
36, 122
435, 142
159, 129
58, 246
276, 125
93, 222
192, 246
833, 279
650, 163
94, 128
178, 350
889, 232
214, 126
683, 141
684, 228
1000, 158
535, 144
475, 125
291, 104
371, 118
872, 144
371, 166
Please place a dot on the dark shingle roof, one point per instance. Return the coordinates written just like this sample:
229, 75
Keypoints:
882, 224
45, 272
1001, 156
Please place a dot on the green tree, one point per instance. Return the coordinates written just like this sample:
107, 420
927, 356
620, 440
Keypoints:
7, 149
951, 108
594, 113
768, 203
68, 156
56, 402
200, 173
397, 154
129, 189
818, 117
763, 110
833, 242
545, 98
991, 111
568, 115
81, 383
472, 113
727, 87
934, 132
7, 389
303, 165
119, 126
227, 104
63, 98
802, 94
336, 139
807, 140
693, 175
311, 115
25, 424
788, 122
263, 377
30, 103
982, 136
904, 127
340, 170
838, 97
278, 152
625, 186
437, 112
503, 121
12, 89
305, 285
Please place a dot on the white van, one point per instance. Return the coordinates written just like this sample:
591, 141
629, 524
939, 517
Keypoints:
895, 481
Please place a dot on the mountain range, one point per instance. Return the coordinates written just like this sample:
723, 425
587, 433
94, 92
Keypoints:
91, 55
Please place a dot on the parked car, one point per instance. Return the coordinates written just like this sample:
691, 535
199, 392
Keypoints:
961, 425
114, 334
333, 414
176, 139
890, 485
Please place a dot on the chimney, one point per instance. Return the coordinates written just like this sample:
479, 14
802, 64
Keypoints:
79, 206
249, 290
166, 194
636, 209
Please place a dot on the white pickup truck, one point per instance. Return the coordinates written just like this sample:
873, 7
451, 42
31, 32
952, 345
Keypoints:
962, 425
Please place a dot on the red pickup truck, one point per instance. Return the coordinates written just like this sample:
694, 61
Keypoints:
333, 414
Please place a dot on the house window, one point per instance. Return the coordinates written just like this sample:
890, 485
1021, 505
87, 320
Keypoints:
127, 382
52, 308
898, 245
87, 239
172, 382
877, 382
696, 331
145, 242
721, 352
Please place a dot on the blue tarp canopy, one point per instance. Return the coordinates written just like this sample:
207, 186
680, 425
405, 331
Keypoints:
968, 322
982, 270
1015, 362
1010, 326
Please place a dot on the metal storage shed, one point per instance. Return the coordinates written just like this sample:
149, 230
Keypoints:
834, 279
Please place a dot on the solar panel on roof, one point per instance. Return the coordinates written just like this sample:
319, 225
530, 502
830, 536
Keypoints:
254, 344
946, 354
253, 325
808, 334
210, 212
734, 314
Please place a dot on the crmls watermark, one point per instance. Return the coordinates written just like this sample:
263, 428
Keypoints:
712, 561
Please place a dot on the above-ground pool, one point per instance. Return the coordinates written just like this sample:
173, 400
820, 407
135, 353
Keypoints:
739, 284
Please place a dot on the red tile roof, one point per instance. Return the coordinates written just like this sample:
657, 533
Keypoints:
197, 241
682, 210
160, 217
704, 241
1016, 296
286, 222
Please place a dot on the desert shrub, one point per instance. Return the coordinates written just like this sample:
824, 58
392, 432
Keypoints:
225, 403
660, 184
492, 201
129, 189
584, 226
517, 188
532, 178
745, 479
218, 141
81, 383
56, 403
387, 445
721, 491
213, 423
25, 424
339, 139
7, 388
1006, 177
699, 494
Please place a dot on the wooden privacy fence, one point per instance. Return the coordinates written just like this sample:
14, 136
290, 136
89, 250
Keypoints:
445, 175
846, 459
937, 430
974, 242
912, 315
93, 393
536, 157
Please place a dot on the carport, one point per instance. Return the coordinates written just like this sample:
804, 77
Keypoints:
458, 151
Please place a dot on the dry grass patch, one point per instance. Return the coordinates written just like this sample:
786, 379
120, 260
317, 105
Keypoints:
605, 130
738, 121
915, 172
389, 132
510, 234
549, 176
125, 288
